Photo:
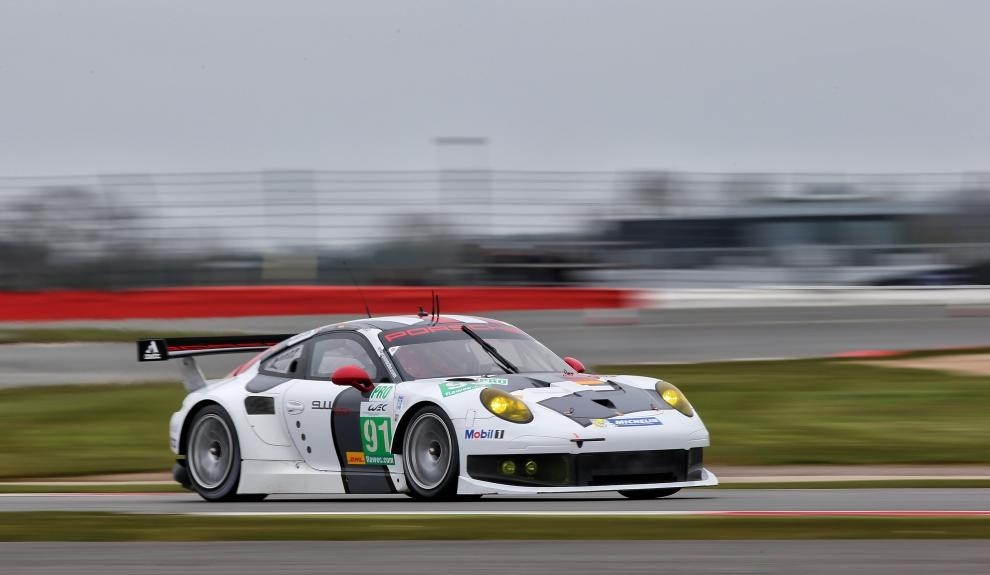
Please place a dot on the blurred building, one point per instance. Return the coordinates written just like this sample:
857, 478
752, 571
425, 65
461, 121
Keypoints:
478, 226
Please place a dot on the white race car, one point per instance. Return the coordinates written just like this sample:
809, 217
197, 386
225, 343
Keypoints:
432, 406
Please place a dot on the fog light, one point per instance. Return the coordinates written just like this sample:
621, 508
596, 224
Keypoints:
531, 467
508, 467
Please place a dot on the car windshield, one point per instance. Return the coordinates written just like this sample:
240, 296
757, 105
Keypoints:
444, 350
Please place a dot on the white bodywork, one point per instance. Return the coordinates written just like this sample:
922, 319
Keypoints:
292, 451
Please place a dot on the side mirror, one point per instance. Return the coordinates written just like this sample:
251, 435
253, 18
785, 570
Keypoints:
576, 365
353, 376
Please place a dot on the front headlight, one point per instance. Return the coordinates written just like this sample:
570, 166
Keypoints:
674, 398
505, 406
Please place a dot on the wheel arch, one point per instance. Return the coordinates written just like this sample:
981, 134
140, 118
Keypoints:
400, 429
190, 415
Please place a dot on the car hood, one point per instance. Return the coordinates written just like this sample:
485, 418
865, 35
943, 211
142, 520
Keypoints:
583, 398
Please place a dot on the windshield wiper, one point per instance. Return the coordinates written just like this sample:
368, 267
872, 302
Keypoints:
505, 364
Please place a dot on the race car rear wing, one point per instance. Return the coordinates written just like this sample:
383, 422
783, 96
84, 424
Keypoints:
173, 347
186, 348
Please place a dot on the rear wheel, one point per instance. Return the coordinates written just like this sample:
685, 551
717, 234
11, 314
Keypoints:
430, 456
648, 493
213, 457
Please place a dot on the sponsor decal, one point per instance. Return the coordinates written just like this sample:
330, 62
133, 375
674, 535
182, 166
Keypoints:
376, 437
625, 422
449, 388
355, 458
381, 392
399, 401
316, 404
388, 365
374, 408
585, 379
493, 381
484, 433
151, 351
427, 330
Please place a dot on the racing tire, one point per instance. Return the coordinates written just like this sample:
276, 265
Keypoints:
213, 457
648, 493
430, 457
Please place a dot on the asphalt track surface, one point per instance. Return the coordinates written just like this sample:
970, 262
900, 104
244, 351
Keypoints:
892, 500
647, 337
904, 557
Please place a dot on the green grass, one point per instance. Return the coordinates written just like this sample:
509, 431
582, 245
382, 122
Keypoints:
86, 429
95, 488
87, 334
833, 412
64, 526
759, 413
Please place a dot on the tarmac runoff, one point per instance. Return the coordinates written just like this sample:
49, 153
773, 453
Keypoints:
880, 557
657, 336
931, 502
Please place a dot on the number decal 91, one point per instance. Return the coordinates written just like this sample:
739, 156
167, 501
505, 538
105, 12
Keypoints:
376, 436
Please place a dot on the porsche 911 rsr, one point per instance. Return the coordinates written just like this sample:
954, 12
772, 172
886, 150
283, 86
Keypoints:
434, 407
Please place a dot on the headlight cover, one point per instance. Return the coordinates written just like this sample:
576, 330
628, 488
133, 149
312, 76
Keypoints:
505, 406
674, 398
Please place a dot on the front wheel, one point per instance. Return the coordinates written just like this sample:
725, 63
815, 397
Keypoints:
648, 493
430, 456
213, 457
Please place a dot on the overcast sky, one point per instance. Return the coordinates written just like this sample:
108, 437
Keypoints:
150, 86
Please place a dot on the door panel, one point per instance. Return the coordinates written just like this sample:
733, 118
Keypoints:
308, 407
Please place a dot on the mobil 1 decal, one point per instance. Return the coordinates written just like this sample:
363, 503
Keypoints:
362, 432
376, 427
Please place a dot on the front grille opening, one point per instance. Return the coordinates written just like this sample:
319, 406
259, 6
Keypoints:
632, 479
590, 469
605, 403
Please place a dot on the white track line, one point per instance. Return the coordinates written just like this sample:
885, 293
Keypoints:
601, 513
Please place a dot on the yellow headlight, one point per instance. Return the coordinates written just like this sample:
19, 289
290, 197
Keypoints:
498, 405
674, 398
505, 406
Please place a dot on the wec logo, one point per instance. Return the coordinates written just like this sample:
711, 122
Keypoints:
484, 433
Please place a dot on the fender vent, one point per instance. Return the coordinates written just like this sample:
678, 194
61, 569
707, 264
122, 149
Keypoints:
259, 405
605, 403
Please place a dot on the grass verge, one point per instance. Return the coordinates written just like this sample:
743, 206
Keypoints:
88, 335
86, 429
62, 526
759, 413
94, 488
836, 412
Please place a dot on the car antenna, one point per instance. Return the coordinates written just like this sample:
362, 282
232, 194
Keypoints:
367, 309
437, 297
433, 307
